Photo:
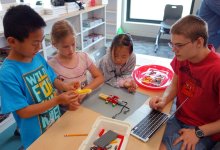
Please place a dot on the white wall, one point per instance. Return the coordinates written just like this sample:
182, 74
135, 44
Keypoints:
144, 29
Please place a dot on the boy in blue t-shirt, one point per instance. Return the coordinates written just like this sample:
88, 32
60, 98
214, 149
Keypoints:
26, 80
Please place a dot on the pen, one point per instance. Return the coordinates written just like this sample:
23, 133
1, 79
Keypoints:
68, 135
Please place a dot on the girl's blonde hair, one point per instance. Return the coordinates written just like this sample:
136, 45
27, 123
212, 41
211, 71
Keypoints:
60, 30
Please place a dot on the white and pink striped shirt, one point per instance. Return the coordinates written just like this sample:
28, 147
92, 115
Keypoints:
77, 73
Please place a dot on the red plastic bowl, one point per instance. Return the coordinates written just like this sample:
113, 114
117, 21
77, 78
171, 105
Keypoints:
140, 73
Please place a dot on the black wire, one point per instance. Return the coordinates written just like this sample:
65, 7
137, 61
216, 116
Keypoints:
123, 106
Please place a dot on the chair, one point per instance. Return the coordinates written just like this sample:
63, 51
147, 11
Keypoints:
171, 14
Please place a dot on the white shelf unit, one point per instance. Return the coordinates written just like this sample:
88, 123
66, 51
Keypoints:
113, 17
95, 30
82, 33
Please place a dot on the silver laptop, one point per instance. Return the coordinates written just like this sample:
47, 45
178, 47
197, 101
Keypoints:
146, 121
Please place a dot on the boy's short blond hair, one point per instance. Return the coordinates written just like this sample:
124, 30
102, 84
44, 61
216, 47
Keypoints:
191, 27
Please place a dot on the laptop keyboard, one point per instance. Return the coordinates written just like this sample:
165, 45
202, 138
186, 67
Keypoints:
149, 125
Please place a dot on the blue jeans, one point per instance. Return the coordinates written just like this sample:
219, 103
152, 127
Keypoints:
171, 133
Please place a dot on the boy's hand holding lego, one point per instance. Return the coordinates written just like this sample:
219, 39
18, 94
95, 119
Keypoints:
70, 97
83, 93
67, 97
75, 86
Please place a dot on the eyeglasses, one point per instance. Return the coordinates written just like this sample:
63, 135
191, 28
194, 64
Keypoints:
178, 45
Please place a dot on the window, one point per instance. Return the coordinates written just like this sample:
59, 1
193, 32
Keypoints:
152, 11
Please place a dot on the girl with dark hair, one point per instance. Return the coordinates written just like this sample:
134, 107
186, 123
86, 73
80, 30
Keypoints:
119, 62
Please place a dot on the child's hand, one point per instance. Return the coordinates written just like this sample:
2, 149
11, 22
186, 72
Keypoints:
67, 97
130, 85
83, 93
73, 106
75, 85
81, 97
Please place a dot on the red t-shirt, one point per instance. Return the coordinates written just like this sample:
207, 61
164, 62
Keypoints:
201, 83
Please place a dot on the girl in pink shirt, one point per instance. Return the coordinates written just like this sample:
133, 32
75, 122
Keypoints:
69, 64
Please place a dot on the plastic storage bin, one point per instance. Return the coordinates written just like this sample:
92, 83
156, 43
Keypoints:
120, 127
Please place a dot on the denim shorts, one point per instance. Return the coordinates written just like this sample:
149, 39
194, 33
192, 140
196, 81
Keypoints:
171, 133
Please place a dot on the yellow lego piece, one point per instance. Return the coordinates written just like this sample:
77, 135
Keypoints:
83, 91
